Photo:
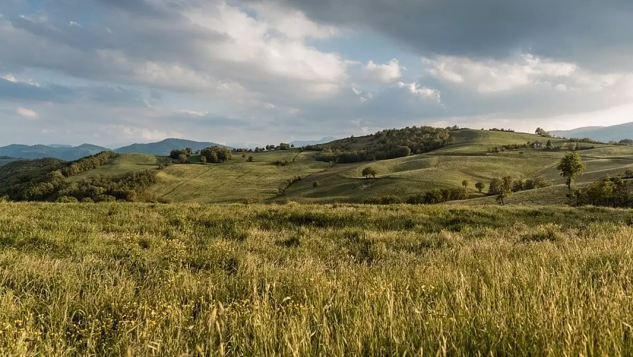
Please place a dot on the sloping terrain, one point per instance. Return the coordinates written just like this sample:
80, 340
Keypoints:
471, 155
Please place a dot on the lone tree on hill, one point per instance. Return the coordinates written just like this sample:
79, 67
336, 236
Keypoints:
505, 190
369, 171
480, 186
571, 166
465, 183
542, 132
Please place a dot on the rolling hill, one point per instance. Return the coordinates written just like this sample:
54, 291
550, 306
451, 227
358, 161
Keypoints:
605, 134
56, 151
163, 148
297, 175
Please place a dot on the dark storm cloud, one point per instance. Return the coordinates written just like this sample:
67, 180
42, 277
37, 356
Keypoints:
594, 33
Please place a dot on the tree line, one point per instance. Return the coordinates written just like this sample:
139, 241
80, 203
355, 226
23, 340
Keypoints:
385, 144
45, 180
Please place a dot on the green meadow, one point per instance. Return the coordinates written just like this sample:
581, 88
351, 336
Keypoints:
323, 280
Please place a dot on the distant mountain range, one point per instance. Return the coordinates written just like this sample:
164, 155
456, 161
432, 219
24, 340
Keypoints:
42, 151
164, 147
327, 139
70, 153
600, 133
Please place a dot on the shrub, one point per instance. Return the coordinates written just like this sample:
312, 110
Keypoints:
67, 199
315, 184
369, 171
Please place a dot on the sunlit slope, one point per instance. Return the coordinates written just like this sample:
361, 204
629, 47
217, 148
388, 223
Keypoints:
123, 164
469, 158
235, 180
412, 175
469, 141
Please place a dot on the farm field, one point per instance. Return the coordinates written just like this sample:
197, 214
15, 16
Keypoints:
337, 280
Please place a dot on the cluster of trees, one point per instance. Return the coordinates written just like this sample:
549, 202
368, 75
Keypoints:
504, 187
572, 146
40, 180
129, 188
182, 156
87, 163
385, 144
45, 180
502, 130
439, 196
216, 154
608, 191
281, 146
542, 132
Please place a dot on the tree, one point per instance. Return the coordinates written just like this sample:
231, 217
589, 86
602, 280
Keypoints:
549, 145
465, 183
183, 158
203, 159
369, 171
496, 186
217, 154
542, 132
571, 166
505, 190
480, 186
251, 158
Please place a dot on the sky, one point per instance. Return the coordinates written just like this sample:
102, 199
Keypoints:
253, 72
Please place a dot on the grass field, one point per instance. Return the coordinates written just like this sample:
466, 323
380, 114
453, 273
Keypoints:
234, 180
330, 280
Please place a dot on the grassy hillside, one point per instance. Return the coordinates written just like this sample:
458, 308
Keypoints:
469, 157
235, 180
168, 280
121, 165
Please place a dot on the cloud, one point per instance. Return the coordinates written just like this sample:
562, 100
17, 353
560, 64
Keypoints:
27, 113
421, 91
134, 133
527, 71
385, 73
189, 47
581, 31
